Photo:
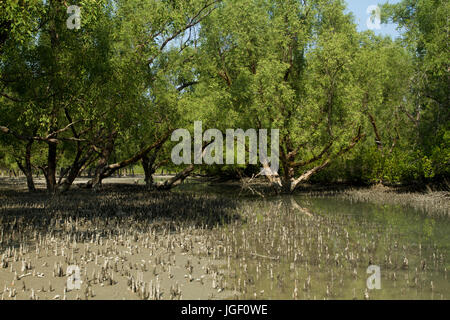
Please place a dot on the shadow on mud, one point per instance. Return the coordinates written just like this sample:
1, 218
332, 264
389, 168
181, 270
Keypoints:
116, 207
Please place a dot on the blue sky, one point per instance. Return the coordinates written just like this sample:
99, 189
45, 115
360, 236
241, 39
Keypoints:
359, 7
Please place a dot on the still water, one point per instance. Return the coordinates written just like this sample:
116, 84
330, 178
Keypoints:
302, 247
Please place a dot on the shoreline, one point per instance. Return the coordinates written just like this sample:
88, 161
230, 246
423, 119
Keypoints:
422, 198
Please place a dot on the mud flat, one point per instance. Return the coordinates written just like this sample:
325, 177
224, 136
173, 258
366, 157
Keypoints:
426, 201
205, 241
125, 242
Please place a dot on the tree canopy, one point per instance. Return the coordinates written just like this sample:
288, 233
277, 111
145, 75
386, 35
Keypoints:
350, 106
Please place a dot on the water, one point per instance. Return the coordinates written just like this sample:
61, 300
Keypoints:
299, 247
241, 245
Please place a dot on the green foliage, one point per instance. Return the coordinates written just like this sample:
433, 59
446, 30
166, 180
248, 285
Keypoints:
137, 69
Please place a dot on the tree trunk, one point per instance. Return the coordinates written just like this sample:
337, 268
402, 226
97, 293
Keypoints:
378, 141
149, 165
181, 176
104, 170
96, 182
51, 167
290, 183
27, 169
75, 170
102, 164
305, 176
149, 169
177, 179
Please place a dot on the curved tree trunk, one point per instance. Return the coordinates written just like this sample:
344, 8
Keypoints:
177, 179
102, 164
104, 170
74, 171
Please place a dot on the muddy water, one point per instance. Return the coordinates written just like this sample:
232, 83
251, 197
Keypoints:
311, 248
301, 247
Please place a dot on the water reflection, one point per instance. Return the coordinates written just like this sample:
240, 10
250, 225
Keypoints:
300, 247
